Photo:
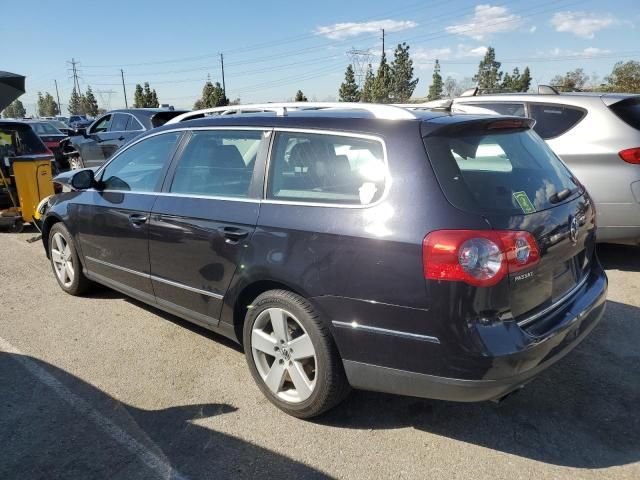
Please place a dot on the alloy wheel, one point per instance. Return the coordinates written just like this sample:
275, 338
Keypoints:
62, 259
284, 355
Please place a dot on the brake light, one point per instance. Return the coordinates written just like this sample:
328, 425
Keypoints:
477, 257
631, 155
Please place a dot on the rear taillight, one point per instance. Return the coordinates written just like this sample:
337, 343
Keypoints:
477, 257
631, 155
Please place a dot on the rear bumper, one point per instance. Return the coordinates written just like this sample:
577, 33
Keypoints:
508, 372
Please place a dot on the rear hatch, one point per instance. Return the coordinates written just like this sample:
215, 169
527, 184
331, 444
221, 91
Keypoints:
502, 170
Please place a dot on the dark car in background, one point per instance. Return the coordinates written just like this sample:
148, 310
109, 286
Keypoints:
51, 137
429, 254
110, 131
63, 127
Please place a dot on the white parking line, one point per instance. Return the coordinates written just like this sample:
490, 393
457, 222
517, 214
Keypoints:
153, 461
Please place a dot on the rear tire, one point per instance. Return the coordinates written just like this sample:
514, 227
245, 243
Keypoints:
65, 261
292, 356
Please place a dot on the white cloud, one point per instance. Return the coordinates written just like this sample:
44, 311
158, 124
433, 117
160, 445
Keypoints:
487, 19
581, 24
423, 58
533, 29
466, 51
339, 31
586, 52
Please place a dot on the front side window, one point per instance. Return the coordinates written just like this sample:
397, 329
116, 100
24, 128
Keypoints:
119, 123
218, 163
554, 120
319, 168
102, 125
138, 168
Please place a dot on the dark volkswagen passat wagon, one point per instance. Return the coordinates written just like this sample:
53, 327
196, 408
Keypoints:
427, 254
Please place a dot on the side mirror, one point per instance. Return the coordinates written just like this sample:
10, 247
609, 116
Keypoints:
83, 179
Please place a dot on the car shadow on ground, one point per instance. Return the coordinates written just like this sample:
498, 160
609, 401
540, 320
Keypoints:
619, 257
55, 425
583, 412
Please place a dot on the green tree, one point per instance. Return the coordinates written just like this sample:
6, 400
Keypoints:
625, 77
383, 83
212, 96
75, 103
47, 106
153, 99
525, 80
349, 91
573, 80
89, 103
300, 97
366, 94
435, 90
403, 83
489, 74
138, 97
14, 110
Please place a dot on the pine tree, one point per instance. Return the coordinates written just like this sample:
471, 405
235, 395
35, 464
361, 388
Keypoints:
75, 103
435, 90
153, 100
15, 110
40, 105
138, 97
47, 107
146, 95
89, 102
403, 83
525, 80
366, 94
300, 97
349, 91
489, 74
383, 83
217, 98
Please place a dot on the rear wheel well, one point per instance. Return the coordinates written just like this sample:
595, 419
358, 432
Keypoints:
248, 295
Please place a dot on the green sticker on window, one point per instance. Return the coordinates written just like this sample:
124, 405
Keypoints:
523, 200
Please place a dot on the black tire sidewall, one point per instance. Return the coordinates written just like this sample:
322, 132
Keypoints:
296, 306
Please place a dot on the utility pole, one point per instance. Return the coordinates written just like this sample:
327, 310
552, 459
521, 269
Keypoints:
58, 97
383, 41
124, 89
224, 88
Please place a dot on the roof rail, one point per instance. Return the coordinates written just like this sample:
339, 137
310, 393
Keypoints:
547, 90
387, 112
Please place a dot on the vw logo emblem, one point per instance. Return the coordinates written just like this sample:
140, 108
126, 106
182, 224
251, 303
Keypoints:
573, 230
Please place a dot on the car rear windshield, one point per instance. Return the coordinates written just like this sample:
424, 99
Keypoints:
509, 172
18, 140
45, 128
629, 111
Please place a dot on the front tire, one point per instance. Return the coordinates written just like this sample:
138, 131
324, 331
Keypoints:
291, 355
65, 261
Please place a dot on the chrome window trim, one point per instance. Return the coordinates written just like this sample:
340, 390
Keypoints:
157, 279
385, 331
554, 305
181, 195
375, 138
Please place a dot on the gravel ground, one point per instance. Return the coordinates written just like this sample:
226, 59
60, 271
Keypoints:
106, 387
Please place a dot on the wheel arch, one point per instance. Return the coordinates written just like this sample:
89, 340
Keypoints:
49, 222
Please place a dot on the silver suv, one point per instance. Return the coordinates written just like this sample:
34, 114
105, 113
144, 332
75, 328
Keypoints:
598, 136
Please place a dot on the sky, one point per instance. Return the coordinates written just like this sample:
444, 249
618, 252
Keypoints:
272, 49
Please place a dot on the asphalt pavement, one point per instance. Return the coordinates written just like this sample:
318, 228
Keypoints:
106, 387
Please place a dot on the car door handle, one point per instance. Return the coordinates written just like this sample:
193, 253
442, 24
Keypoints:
234, 234
138, 218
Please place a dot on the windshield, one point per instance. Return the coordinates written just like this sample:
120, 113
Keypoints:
509, 172
45, 128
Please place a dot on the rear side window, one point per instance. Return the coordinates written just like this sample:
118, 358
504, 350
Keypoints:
218, 163
515, 109
554, 120
138, 168
511, 172
629, 111
319, 168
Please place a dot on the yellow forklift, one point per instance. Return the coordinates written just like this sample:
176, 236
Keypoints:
25, 176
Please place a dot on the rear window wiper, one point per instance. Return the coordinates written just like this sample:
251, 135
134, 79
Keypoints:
561, 195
